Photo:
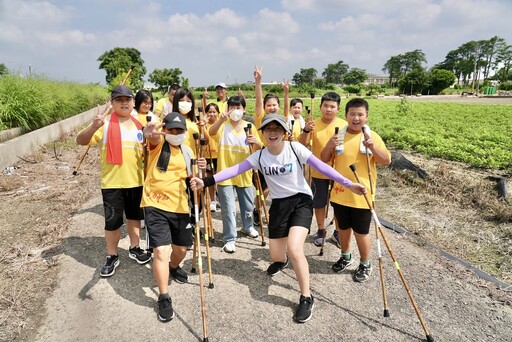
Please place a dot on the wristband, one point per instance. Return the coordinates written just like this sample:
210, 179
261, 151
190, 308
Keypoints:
208, 181
304, 130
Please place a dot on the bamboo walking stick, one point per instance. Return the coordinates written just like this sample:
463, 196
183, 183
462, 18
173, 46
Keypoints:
197, 243
377, 238
259, 193
397, 266
336, 130
207, 219
80, 161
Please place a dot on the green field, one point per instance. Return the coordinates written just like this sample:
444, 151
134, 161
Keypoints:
477, 134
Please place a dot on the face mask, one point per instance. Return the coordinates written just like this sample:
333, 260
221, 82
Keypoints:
236, 114
175, 140
184, 107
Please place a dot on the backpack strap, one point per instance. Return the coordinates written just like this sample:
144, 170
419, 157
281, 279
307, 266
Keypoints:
296, 156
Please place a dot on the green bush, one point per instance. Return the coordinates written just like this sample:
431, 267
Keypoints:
34, 102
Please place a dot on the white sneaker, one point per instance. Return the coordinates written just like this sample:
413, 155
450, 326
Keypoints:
213, 206
253, 233
229, 247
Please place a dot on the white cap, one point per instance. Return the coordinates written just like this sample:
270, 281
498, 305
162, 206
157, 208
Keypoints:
221, 84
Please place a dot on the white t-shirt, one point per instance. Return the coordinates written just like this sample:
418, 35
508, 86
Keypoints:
283, 172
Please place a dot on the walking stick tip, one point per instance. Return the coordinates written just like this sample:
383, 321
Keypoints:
386, 313
353, 167
430, 338
75, 173
263, 243
211, 286
195, 135
193, 270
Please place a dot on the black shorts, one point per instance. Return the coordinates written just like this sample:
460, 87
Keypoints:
165, 228
357, 219
117, 201
296, 210
320, 188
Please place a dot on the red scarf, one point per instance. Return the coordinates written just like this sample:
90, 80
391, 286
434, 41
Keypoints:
114, 142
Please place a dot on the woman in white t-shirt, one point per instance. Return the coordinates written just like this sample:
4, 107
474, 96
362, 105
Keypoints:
291, 211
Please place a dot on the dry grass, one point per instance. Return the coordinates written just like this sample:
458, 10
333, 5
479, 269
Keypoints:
457, 209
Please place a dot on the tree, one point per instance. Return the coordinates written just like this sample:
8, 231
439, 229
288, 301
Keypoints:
399, 65
117, 62
3, 69
504, 58
439, 80
305, 77
414, 82
334, 72
355, 76
162, 78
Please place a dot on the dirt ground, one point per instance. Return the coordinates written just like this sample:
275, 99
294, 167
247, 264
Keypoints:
40, 198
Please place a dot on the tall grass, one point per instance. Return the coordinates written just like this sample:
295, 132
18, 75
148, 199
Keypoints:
34, 102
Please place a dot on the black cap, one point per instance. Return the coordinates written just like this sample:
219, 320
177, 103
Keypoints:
121, 90
277, 118
175, 120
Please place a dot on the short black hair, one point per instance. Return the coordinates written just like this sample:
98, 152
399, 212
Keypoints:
236, 100
356, 103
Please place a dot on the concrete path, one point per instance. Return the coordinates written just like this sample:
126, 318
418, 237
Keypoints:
247, 305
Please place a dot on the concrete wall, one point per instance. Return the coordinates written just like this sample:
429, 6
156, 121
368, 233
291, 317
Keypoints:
11, 150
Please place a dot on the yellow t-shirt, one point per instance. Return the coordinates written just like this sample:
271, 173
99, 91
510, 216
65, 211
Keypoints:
189, 140
352, 155
320, 136
223, 105
163, 107
143, 118
233, 149
130, 173
166, 190
212, 144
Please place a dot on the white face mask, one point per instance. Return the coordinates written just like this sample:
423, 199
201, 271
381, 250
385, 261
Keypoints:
236, 114
175, 140
184, 107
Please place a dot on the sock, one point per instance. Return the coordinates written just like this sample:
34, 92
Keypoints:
346, 255
365, 263
163, 296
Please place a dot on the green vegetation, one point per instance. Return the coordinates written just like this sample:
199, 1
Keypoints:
34, 102
476, 134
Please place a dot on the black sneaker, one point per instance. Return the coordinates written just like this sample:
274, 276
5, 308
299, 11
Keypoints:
179, 275
341, 264
256, 218
138, 254
276, 267
165, 311
305, 310
363, 273
110, 266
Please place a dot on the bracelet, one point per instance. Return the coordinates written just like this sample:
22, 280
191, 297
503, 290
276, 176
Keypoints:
304, 130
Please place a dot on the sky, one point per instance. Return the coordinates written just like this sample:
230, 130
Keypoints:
223, 41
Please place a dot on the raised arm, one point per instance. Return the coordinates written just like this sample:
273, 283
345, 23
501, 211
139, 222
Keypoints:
230, 172
258, 109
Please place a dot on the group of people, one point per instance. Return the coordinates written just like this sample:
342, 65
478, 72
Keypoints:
146, 175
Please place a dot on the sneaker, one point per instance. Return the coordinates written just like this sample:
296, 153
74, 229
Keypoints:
362, 273
319, 237
341, 264
138, 254
276, 267
110, 266
256, 218
336, 238
165, 311
179, 275
252, 233
305, 310
229, 247
213, 206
